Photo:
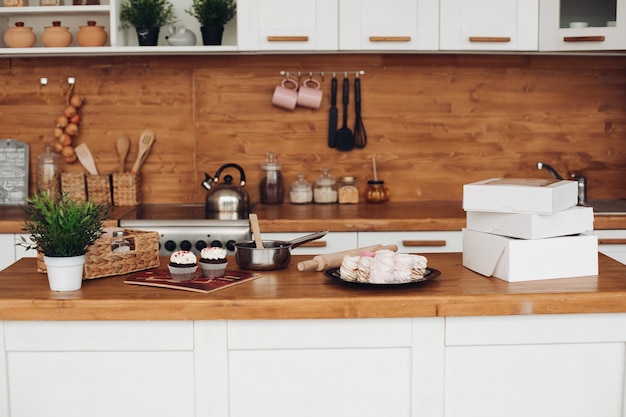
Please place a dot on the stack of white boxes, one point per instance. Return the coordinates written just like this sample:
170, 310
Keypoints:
527, 230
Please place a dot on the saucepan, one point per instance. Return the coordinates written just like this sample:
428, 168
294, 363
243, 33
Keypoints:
275, 254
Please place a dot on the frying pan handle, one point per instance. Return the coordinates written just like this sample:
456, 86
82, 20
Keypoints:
294, 243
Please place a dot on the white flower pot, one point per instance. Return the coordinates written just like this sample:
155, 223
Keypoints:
65, 273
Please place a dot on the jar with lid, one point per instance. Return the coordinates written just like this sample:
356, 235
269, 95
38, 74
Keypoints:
301, 191
348, 192
325, 191
48, 176
272, 188
19, 36
119, 243
91, 34
56, 35
377, 192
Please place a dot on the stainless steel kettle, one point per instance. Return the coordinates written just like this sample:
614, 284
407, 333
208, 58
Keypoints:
227, 197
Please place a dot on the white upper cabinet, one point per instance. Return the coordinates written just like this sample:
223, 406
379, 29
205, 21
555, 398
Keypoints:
582, 25
377, 25
489, 25
287, 25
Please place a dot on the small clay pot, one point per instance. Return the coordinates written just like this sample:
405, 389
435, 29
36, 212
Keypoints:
91, 35
19, 36
56, 36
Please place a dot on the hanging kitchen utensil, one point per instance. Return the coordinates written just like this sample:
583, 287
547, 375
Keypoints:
256, 230
332, 114
345, 139
145, 144
86, 158
360, 137
122, 146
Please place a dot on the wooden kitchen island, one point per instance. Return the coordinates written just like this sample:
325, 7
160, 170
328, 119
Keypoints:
296, 343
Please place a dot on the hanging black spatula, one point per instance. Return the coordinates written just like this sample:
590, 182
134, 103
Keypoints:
345, 139
332, 114
360, 137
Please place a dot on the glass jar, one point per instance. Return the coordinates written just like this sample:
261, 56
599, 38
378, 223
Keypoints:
348, 192
377, 192
301, 191
48, 176
325, 191
119, 243
272, 188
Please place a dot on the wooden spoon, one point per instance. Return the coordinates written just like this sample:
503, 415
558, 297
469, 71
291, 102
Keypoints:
123, 144
256, 231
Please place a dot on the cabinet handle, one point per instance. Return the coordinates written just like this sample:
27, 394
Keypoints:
609, 241
390, 39
584, 39
315, 244
502, 39
287, 38
424, 243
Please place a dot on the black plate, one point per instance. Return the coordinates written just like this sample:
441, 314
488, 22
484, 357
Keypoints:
429, 275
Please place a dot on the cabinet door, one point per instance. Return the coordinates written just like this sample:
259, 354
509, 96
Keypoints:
490, 25
375, 25
416, 242
7, 250
582, 25
282, 25
612, 243
332, 242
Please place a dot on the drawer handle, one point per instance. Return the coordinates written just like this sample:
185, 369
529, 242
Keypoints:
409, 243
615, 241
502, 39
287, 38
584, 39
390, 39
315, 244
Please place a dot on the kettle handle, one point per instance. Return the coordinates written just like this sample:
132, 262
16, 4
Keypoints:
242, 178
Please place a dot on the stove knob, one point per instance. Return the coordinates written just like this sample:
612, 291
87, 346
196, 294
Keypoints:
216, 244
230, 245
185, 245
201, 244
170, 246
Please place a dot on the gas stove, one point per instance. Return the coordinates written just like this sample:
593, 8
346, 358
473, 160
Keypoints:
189, 227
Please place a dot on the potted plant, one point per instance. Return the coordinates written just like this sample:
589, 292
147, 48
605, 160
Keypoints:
147, 16
62, 231
212, 15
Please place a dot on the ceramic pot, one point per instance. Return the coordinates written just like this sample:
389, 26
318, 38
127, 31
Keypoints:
91, 35
147, 35
65, 273
19, 36
56, 36
212, 35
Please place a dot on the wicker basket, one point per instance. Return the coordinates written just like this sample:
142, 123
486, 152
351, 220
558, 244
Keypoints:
126, 189
14, 3
99, 188
74, 184
101, 262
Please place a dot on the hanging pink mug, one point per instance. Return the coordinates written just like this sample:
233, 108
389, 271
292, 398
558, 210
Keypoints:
309, 94
284, 96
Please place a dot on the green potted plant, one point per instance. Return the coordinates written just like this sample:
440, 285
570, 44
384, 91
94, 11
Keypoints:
147, 16
62, 231
212, 15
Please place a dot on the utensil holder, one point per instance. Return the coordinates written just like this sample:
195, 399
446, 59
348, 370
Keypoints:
74, 184
126, 189
99, 188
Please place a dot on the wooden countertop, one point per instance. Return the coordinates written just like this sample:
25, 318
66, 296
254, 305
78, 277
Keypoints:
291, 294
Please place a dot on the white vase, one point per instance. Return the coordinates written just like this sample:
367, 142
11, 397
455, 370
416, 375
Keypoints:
65, 273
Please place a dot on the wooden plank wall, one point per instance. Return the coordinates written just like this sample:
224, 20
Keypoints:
434, 122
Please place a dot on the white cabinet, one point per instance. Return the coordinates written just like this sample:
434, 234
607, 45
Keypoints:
612, 243
582, 25
416, 242
489, 25
332, 242
561, 365
375, 25
287, 25
7, 250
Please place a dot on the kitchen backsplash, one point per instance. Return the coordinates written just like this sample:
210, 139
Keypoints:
434, 121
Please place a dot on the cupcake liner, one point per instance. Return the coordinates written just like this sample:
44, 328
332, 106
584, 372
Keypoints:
183, 273
213, 270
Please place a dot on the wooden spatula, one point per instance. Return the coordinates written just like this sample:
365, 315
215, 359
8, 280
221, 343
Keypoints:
256, 231
146, 140
86, 158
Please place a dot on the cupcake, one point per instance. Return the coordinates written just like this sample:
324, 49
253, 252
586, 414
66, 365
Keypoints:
183, 265
213, 262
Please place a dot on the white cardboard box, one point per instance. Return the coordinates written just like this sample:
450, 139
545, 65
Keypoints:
520, 195
517, 260
571, 221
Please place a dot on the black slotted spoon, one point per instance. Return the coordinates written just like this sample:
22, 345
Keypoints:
344, 138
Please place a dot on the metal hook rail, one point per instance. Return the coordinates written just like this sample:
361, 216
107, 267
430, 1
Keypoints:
322, 73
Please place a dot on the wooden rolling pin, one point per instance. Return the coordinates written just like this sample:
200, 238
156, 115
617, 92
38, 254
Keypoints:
333, 260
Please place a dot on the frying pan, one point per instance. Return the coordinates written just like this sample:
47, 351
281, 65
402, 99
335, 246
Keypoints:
275, 254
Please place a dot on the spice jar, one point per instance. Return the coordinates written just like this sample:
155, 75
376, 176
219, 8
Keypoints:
56, 35
325, 190
48, 176
301, 191
119, 243
19, 36
348, 192
376, 192
272, 188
